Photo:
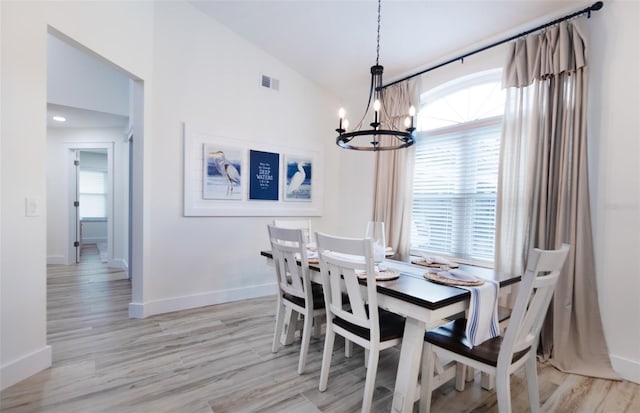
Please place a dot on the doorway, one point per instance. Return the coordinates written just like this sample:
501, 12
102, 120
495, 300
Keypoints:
99, 125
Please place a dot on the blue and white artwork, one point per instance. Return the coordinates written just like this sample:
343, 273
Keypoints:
223, 167
264, 169
298, 178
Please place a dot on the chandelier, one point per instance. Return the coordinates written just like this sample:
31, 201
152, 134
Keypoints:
362, 139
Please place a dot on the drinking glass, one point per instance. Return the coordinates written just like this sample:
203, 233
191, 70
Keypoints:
375, 231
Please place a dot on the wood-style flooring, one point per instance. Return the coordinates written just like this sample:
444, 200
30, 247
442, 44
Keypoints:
218, 359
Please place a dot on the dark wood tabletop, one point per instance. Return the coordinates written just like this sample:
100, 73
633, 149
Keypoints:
417, 290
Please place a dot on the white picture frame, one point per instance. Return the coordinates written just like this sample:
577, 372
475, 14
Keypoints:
197, 142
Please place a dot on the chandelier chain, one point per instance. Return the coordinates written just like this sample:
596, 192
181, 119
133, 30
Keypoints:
378, 39
384, 134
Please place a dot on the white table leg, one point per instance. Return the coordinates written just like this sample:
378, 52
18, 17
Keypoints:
408, 366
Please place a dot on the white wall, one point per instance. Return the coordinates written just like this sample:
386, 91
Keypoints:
192, 70
614, 129
123, 31
206, 76
88, 83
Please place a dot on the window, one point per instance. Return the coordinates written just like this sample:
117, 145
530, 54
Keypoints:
92, 193
456, 172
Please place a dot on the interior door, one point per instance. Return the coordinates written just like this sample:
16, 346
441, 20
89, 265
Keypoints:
76, 204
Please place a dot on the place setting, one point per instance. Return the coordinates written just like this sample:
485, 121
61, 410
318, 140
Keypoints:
452, 276
434, 261
382, 274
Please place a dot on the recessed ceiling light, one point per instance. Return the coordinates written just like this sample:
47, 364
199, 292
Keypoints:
59, 119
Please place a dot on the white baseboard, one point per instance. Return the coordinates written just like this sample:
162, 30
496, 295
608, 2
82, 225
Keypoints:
168, 305
118, 263
24, 367
627, 369
56, 260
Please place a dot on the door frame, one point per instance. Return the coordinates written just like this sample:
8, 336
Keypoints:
71, 149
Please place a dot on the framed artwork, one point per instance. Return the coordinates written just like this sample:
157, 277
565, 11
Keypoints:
222, 172
264, 175
298, 180
249, 178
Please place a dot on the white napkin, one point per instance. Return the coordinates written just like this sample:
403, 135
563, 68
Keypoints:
310, 255
436, 259
459, 275
482, 320
378, 269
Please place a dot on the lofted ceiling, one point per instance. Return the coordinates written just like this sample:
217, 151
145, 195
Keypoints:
334, 42
331, 42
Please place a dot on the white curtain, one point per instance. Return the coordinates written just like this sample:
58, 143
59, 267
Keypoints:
394, 173
543, 189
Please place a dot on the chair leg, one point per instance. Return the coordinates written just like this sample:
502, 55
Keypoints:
426, 379
329, 339
503, 390
532, 383
370, 381
306, 337
461, 375
317, 326
488, 381
348, 348
471, 374
292, 326
280, 310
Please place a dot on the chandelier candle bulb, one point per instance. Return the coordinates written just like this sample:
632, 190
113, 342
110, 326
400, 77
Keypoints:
376, 109
412, 113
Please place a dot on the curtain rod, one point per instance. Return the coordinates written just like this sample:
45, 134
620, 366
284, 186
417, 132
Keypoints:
596, 6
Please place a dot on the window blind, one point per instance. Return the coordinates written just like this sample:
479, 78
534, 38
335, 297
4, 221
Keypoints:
454, 190
93, 194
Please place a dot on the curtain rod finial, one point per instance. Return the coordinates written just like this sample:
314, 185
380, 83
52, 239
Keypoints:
597, 6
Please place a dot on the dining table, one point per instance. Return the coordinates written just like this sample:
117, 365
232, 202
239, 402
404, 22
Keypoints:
425, 304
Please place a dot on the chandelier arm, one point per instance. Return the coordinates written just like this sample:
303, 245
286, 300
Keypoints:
366, 110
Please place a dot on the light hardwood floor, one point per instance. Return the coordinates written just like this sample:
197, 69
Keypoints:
218, 359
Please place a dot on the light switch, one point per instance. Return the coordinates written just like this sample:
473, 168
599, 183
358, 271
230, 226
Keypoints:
32, 207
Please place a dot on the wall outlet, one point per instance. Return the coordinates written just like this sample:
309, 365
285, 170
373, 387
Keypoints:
32, 207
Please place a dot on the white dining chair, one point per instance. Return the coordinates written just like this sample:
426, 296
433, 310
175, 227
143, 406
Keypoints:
502, 355
303, 224
296, 292
361, 322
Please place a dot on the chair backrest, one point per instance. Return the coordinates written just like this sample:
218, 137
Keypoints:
288, 247
536, 289
303, 224
341, 259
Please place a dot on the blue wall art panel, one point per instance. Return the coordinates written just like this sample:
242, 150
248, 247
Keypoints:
264, 175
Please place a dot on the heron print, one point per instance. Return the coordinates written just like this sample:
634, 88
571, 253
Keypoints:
298, 186
222, 167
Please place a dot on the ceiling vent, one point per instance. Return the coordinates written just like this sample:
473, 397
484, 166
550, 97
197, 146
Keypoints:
270, 82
